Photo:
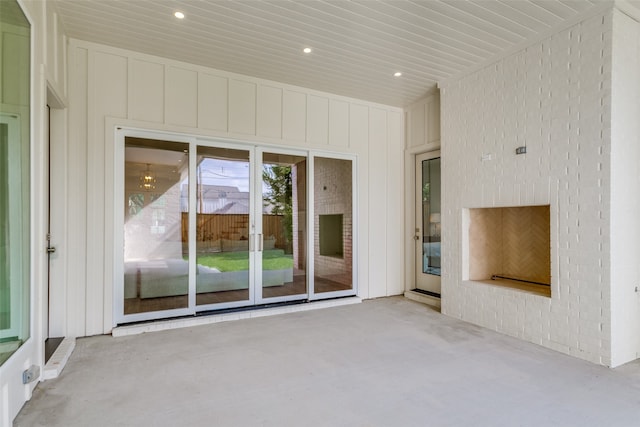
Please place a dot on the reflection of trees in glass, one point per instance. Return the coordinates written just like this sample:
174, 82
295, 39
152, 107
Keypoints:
136, 203
426, 192
278, 197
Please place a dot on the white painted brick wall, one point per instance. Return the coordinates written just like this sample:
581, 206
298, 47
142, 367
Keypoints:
555, 98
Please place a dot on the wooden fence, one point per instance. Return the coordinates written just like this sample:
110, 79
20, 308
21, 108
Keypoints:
214, 227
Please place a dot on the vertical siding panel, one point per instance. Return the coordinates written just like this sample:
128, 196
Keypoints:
359, 142
181, 103
417, 126
109, 86
338, 123
377, 202
317, 119
146, 91
359, 127
213, 101
77, 203
61, 56
51, 57
294, 116
395, 204
269, 111
110, 100
107, 98
242, 107
433, 120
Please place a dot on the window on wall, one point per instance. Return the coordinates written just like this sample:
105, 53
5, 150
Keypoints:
14, 178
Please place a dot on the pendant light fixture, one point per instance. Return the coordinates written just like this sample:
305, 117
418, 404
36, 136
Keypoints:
147, 180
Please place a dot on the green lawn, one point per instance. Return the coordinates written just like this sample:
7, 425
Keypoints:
272, 259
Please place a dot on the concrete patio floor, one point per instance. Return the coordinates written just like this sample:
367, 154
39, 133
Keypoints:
385, 362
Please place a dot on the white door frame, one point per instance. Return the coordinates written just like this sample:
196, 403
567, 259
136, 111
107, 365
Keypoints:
422, 281
258, 225
204, 142
118, 254
15, 231
57, 176
354, 233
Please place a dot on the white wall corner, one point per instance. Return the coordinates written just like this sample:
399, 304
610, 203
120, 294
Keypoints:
625, 187
629, 8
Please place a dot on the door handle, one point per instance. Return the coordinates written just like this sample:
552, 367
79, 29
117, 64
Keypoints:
260, 242
50, 249
252, 242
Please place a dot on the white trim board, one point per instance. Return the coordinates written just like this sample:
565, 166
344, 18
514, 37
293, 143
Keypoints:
59, 359
163, 325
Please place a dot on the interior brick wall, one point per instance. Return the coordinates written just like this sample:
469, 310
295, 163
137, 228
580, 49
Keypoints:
333, 194
299, 217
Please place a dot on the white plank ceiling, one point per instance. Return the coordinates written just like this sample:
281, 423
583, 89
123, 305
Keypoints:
357, 45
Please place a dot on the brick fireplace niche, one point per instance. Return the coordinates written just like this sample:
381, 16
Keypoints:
509, 247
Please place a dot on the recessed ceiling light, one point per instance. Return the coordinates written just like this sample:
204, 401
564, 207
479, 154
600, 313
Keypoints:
179, 15
397, 74
307, 50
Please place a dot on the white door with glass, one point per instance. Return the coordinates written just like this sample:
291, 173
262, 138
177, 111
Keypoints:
427, 221
239, 236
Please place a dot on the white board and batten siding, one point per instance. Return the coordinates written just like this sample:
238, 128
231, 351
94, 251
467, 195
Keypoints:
114, 87
422, 124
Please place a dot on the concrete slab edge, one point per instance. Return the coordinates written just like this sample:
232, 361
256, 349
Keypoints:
422, 298
59, 359
163, 325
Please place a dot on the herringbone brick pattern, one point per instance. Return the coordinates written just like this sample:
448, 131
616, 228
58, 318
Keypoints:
513, 242
526, 243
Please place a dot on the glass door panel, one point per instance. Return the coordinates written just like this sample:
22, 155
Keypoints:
333, 224
223, 231
427, 237
284, 225
156, 259
431, 216
14, 235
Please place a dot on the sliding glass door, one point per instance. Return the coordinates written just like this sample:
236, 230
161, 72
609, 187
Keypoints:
282, 232
224, 227
156, 261
333, 201
210, 225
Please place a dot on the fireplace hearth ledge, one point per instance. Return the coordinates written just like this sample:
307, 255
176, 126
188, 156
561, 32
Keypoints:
529, 288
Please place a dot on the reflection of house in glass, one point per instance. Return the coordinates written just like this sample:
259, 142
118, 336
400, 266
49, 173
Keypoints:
333, 222
223, 219
217, 199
